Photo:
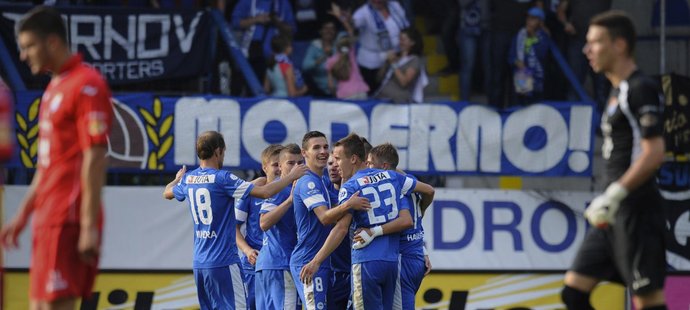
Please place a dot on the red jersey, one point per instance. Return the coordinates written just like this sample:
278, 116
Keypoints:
75, 114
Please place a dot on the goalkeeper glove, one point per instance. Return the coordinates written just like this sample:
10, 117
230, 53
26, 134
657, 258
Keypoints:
602, 210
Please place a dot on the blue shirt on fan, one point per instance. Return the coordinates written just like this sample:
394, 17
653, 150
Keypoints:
211, 194
384, 189
280, 239
310, 192
247, 212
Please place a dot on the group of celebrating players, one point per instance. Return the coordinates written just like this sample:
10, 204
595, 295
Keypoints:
338, 229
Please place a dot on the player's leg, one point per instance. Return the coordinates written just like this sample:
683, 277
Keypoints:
58, 276
639, 249
225, 287
249, 278
367, 292
316, 292
201, 293
390, 288
593, 260
294, 273
277, 290
412, 270
61, 304
339, 292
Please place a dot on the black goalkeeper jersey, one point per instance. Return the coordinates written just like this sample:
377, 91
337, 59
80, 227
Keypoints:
634, 112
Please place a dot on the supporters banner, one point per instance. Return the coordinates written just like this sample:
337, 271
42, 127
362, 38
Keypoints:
158, 133
128, 45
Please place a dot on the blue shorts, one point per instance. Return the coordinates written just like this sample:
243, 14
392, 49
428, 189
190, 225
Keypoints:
220, 288
314, 295
249, 275
412, 269
375, 284
275, 290
339, 292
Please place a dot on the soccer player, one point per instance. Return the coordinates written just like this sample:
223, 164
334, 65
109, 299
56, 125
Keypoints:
414, 262
211, 193
314, 217
247, 214
627, 244
275, 288
339, 290
65, 194
375, 267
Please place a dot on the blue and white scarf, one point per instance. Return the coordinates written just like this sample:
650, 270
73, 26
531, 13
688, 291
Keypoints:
399, 18
284, 59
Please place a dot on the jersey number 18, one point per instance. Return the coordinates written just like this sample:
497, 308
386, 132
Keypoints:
200, 202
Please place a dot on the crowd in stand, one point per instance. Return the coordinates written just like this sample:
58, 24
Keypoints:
370, 49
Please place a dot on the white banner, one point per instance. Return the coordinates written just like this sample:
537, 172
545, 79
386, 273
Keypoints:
504, 230
465, 230
142, 230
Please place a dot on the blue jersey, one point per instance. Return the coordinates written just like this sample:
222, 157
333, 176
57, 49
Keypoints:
384, 189
247, 212
412, 239
211, 194
310, 192
279, 241
340, 258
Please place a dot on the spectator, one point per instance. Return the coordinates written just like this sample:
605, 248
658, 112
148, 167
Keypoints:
261, 20
527, 56
507, 17
343, 72
314, 63
575, 16
404, 76
449, 14
474, 39
379, 23
282, 78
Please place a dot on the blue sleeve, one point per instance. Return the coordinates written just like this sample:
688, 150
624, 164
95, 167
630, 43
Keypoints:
271, 203
242, 210
179, 190
406, 183
241, 11
311, 193
345, 193
234, 186
406, 202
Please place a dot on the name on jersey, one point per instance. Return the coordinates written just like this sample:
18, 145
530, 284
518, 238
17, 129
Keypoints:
373, 179
201, 179
206, 234
414, 237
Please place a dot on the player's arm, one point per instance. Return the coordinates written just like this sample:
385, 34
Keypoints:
335, 237
331, 216
274, 187
267, 220
645, 166
427, 191
9, 234
364, 236
93, 172
168, 192
242, 244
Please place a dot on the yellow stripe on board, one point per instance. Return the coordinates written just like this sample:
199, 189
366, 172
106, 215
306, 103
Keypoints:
510, 182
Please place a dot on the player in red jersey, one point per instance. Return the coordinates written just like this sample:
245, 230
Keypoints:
65, 195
